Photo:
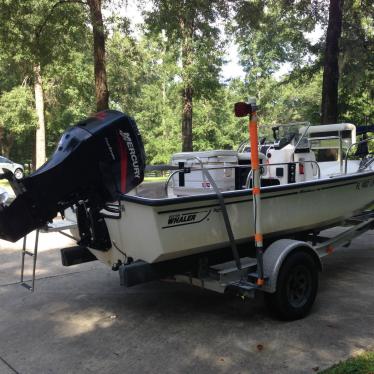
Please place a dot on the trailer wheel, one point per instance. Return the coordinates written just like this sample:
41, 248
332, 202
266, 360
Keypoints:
297, 287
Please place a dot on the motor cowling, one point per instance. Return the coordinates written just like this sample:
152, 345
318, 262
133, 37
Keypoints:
96, 161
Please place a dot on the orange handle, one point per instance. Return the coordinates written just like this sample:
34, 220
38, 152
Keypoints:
253, 138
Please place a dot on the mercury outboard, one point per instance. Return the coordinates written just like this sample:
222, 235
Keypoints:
95, 162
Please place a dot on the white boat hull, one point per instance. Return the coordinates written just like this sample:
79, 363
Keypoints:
155, 230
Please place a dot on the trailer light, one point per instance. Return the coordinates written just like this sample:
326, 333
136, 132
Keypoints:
242, 109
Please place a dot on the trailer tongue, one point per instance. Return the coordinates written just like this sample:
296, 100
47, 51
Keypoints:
95, 161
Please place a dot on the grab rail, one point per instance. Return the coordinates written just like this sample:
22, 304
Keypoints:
349, 149
199, 169
236, 167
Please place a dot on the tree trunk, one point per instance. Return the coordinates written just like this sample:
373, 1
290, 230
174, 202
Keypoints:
7, 145
187, 120
329, 106
40, 155
187, 94
101, 86
2, 136
6, 141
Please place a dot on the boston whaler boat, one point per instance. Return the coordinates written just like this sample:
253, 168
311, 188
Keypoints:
200, 226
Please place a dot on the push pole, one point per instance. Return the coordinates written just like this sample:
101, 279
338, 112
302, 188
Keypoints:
250, 109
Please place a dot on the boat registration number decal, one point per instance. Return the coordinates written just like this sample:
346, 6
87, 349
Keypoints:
180, 219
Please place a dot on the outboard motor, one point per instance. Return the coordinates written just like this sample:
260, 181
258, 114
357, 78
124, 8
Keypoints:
95, 162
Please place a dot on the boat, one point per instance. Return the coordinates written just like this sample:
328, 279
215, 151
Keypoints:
184, 216
203, 210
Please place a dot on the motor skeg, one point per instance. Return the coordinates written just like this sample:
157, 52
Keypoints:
95, 161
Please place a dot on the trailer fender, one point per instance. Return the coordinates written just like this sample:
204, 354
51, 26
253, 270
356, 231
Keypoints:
275, 255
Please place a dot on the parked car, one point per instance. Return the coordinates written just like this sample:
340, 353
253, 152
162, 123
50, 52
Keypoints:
16, 169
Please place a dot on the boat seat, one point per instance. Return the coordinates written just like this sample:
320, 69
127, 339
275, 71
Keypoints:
283, 142
266, 182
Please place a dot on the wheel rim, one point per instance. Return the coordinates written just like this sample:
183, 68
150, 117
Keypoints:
18, 174
299, 286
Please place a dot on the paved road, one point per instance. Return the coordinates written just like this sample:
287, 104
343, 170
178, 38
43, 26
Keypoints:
81, 321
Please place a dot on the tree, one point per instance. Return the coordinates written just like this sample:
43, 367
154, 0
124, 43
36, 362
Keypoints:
16, 116
144, 85
102, 93
29, 31
19, 31
270, 33
68, 84
192, 25
98, 32
329, 106
356, 65
127, 75
19, 23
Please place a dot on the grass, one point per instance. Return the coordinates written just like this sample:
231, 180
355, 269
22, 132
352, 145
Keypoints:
155, 179
4, 183
362, 364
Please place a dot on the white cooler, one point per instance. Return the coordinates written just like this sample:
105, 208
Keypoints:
195, 182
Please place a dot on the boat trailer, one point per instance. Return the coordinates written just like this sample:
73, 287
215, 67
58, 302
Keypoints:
291, 266
289, 292
290, 269
287, 271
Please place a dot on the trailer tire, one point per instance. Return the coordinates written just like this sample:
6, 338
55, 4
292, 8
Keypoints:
297, 287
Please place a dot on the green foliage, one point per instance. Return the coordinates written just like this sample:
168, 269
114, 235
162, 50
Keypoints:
158, 105
69, 92
147, 73
356, 63
216, 126
284, 102
144, 86
54, 35
17, 119
16, 112
190, 28
272, 32
361, 364
125, 70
